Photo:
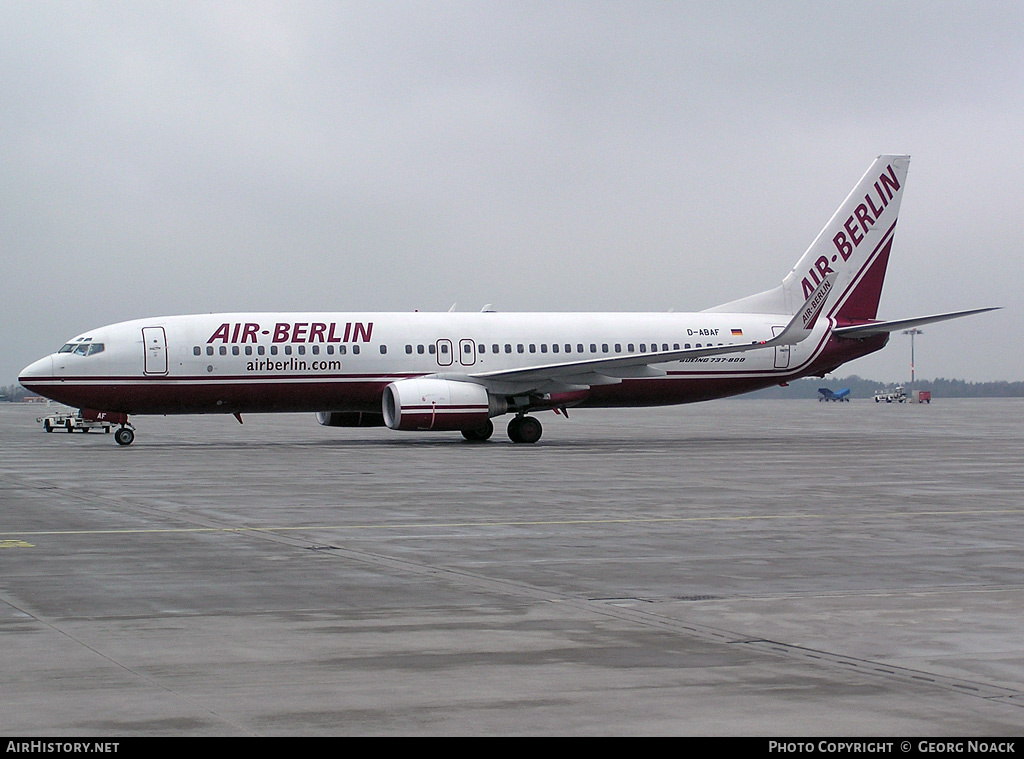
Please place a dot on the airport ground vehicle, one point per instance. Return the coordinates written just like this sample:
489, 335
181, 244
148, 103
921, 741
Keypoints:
839, 396
72, 421
898, 395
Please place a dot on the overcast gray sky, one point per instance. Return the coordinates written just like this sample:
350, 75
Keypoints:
177, 157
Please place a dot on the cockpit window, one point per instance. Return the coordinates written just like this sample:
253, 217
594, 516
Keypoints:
82, 349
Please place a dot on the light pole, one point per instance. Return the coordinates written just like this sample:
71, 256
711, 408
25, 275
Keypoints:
912, 332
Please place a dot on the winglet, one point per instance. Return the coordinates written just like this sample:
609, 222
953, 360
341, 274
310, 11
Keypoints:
816, 302
803, 321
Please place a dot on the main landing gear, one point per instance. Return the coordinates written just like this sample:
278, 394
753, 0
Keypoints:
524, 429
480, 434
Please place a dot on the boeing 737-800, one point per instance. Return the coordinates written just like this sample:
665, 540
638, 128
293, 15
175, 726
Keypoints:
457, 371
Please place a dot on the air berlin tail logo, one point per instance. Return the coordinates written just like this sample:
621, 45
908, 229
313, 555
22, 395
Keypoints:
856, 227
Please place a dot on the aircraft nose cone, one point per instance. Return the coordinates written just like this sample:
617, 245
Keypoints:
41, 369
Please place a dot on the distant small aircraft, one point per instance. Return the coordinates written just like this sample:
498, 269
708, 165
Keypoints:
827, 395
457, 371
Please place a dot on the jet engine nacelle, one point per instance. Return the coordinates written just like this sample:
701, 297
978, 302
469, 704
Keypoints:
349, 419
439, 404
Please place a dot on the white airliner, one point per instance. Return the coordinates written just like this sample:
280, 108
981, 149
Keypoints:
457, 371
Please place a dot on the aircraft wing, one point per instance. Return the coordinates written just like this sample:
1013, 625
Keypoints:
613, 369
879, 328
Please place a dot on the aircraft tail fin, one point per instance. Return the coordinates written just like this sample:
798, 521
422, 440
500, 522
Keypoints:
854, 244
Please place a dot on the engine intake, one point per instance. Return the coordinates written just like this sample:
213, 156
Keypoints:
438, 404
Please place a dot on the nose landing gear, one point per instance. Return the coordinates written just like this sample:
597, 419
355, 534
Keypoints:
125, 435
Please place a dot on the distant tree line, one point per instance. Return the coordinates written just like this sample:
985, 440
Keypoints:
865, 388
14, 393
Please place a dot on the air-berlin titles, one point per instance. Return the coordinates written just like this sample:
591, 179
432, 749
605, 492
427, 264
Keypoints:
855, 228
294, 332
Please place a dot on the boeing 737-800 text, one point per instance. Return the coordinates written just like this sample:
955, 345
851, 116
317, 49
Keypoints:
457, 371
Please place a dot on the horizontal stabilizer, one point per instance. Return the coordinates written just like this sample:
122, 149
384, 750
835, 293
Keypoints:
881, 328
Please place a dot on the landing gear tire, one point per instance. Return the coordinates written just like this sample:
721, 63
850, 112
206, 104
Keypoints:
124, 436
480, 434
524, 429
